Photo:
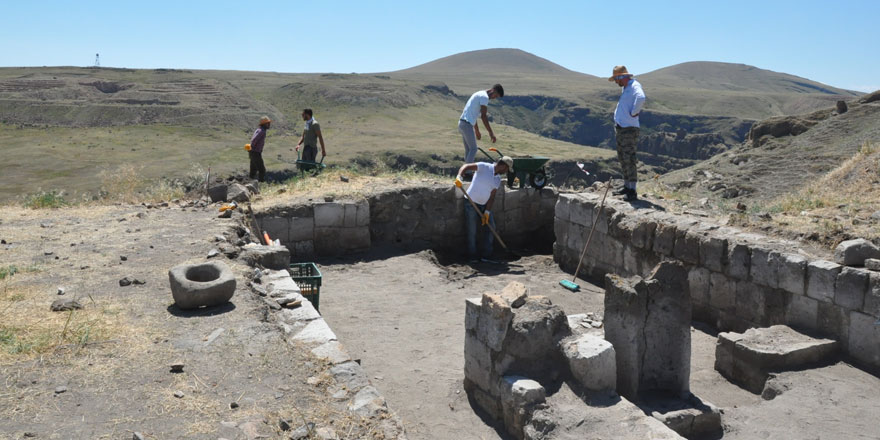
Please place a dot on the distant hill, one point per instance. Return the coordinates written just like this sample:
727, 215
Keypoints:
736, 78
491, 61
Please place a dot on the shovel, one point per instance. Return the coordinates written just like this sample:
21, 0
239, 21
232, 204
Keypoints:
495, 233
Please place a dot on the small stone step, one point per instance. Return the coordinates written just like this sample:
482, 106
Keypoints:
748, 358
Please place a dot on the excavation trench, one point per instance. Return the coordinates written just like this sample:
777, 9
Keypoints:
395, 284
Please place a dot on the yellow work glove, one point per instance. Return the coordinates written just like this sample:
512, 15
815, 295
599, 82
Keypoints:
485, 218
458, 181
247, 147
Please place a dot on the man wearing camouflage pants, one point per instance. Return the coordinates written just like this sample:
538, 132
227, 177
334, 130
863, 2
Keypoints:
626, 129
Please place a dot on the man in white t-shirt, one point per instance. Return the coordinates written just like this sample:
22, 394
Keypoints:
486, 181
477, 107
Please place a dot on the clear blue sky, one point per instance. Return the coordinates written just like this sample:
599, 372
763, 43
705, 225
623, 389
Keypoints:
836, 43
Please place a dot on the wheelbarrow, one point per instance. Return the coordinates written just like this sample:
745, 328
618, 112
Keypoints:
314, 168
525, 168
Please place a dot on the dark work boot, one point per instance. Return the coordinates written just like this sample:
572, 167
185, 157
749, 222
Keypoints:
630, 195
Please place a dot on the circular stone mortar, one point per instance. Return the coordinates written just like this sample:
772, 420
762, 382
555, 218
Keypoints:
198, 285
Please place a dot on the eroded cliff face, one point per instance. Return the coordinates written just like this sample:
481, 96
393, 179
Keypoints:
672, 135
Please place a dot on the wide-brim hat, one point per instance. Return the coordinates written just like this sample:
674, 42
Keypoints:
619, 70
265, 120
507, 160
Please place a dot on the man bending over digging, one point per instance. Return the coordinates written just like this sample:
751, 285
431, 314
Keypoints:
486, 181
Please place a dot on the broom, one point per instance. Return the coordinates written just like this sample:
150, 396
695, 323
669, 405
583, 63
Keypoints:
571, 285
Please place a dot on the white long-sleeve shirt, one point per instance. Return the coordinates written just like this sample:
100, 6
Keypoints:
631, 101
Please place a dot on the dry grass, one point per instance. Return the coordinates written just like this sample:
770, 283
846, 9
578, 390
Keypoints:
330, 184
836, 207
28, 328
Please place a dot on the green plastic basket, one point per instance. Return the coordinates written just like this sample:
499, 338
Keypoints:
308, 278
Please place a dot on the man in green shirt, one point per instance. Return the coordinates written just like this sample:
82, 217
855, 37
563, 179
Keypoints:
310, 137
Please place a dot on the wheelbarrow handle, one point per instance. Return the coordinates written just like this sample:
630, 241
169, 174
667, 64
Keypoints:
490, 157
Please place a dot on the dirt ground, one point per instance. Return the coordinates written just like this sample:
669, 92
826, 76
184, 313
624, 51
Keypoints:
104, 371
403, 316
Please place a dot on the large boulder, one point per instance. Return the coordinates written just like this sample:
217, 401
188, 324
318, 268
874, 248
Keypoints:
238, 193
217, 193
855, 252
201, 285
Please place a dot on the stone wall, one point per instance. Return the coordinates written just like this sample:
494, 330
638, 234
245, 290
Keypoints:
424, 217
737, 280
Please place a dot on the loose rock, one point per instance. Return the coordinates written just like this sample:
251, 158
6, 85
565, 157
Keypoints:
179, 394
177, 367
872, 264
65, 304
60, 389
61, 291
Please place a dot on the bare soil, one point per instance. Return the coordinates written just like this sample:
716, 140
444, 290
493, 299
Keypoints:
115, 373
403, 316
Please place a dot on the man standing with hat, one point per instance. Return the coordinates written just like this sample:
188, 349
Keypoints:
626, 129
486, 181
256, 151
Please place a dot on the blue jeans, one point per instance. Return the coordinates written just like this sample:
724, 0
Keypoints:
469, 138
472, 219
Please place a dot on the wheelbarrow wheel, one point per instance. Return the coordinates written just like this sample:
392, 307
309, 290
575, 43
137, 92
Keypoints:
538, 179
511, 178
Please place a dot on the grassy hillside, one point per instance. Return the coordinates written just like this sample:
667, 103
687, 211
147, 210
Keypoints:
64, 127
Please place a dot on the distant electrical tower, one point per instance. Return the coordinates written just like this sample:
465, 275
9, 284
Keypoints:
97, 60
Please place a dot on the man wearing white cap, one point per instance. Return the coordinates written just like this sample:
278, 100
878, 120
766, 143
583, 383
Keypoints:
486, 181
626, 129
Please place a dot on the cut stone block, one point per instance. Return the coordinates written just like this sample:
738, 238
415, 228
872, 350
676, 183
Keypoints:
495, 317
872, 296
471, 313
713, 253
643, 234
276, 227
687, 246
748, 358
317, 332
329, 215
270, 257
855, 252
739, 261
722, 292
689, 416
591, 361
519, 395
648, 323
302, 228
803, 313
764, 267
864, 339
792, 273
515, 294
664, 239
850, 288
821, 276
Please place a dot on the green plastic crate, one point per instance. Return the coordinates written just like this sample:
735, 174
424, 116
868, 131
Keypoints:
308, 278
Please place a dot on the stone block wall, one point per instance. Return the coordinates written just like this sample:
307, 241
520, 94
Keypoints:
737, 280
416, 218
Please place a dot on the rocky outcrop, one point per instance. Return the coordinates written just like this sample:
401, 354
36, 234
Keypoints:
870, 97
782, 126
